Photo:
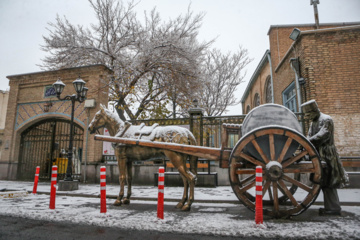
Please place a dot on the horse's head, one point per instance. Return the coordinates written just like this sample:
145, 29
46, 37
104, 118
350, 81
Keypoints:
98, 120
105, 118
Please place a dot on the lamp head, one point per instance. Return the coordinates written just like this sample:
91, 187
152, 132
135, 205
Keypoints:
295, 34
79, 85
59, 87
84, 92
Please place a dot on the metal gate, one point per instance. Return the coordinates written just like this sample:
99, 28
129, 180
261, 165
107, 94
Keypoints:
45, 144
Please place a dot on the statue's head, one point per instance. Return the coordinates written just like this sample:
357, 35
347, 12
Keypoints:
311, 110
104, 117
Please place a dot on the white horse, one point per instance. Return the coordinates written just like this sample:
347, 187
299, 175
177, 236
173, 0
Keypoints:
125, 154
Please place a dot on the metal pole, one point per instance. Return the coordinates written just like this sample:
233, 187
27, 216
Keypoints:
68, 176
201, 131
86, 144
316, 13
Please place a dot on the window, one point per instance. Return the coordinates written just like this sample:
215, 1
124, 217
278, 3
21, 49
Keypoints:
247, 109
289, 97
268, 92
233, 139
256, 100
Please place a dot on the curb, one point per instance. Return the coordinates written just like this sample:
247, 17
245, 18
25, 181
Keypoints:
138, 198
111, 196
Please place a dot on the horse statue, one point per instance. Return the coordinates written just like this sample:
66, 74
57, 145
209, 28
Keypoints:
125, 154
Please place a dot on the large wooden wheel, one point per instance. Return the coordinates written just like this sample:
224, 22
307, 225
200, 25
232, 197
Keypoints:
281, 152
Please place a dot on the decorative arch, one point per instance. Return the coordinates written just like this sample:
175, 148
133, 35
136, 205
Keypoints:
28, 112
256, 100
268, 90
247, 109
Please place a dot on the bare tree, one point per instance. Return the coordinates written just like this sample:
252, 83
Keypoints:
222, 74
143, 57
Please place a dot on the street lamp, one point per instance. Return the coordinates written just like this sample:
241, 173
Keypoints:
80, 96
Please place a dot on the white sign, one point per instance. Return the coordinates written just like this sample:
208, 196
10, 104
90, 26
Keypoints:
107, 147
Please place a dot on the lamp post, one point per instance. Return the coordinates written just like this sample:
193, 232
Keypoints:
80, 96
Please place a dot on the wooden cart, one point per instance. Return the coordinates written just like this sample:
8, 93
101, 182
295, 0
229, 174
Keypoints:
271, 138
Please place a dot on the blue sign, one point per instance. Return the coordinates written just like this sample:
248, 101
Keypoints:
49, 91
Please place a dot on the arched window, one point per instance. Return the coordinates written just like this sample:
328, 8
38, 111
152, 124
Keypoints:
247, 109
256, 100
267, 90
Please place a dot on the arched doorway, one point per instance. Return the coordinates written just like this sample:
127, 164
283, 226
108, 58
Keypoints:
45, 143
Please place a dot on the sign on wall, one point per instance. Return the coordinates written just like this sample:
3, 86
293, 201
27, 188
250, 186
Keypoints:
49, 91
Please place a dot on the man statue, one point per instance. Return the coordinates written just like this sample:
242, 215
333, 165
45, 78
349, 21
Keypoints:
321, 135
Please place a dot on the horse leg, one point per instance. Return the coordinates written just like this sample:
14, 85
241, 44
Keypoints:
121, 158
179, 161
185, 193
129, 179
193, 169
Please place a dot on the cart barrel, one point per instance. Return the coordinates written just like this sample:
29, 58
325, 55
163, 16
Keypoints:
272, 138
198, 151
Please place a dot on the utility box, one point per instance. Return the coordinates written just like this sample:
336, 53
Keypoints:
90, 103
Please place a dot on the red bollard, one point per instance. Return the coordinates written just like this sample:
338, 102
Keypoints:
103, 189
160, 207
53, 187
259, 202
36, 180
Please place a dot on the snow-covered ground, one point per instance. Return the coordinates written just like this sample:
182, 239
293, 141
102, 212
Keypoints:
205, 218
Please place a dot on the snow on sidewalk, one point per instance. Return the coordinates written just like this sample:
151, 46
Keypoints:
209, 219
219, 193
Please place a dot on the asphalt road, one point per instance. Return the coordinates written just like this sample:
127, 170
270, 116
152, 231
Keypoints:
22, 228
15, 228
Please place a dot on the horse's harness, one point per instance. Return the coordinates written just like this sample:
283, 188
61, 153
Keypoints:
142, 131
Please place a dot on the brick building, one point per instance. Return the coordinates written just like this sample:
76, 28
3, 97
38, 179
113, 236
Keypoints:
4, 97
37, 123
321, 64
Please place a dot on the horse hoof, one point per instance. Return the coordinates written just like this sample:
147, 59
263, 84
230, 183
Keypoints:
117, 203
186, 208
126, 201
179, 205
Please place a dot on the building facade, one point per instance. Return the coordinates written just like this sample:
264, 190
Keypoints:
4, 97
321, 64
37, 124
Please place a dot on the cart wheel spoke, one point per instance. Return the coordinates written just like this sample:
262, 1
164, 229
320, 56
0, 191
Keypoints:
284, 150
247, 187
266, 187
288, 193
270, 194
244, 181
252, 160
272, 146
276, 197
297, 183
245, 171
294, 159
260, 151
301, 168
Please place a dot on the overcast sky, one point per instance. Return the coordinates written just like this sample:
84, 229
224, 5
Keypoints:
233, 22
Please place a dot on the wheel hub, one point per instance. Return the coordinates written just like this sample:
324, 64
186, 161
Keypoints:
274, 170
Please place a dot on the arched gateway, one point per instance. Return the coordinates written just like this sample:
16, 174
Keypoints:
45, 143
37, 126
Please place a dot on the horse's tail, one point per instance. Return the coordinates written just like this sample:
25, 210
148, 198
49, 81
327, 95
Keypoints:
193, 159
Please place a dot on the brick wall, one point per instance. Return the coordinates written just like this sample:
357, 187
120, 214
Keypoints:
329, 62
257, 87
26, 97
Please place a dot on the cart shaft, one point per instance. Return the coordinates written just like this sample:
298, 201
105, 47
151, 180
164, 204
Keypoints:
215, 154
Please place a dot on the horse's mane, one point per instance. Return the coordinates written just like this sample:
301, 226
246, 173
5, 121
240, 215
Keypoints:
112, 115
